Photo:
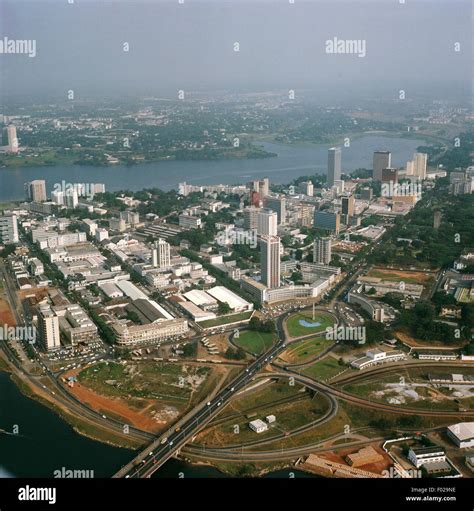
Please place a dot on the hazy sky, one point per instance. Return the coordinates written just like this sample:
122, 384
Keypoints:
190, 46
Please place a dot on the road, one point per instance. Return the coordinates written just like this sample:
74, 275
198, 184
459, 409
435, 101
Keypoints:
168, 444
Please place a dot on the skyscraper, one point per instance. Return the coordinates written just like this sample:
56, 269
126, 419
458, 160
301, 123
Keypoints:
11, 139
420, 161
278, 204
71, 199
36, 190
322, 253
8, 229
251, 217
382, 160
264, 187
163, 256
348, 203
270, 260
327, 220
267, 222
334, 165
48, 325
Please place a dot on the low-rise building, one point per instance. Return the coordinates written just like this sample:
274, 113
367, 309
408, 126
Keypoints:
377, 356
420, 456
258, 426
462, 434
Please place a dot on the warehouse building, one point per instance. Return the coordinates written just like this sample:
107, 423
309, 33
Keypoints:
462, 434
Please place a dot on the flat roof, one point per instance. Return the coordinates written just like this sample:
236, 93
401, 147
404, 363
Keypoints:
223, 294
199, 297
131, 290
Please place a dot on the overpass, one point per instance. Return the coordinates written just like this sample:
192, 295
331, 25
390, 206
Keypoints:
166, 446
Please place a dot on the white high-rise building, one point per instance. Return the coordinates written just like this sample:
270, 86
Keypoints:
36, 190
270, 260
58, 197
8, 229
48, 325
11, 139
382, 160
307, 188
322, 251
334, 165
71, 199
420, 161
163, 254
278, 204
267, 222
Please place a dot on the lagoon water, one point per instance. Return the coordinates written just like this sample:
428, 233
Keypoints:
45, 443
291, 162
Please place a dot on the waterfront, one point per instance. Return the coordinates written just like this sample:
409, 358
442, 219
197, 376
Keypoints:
292, 161
45, 444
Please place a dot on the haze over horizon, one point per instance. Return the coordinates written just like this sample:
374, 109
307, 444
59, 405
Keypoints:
190, 46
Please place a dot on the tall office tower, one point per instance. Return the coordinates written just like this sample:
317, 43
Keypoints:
334, 165
98, 188
382, 160
389, 175
436, 219
322, 253
409, 168
267, 222
154, 257
163, 253
278, 204
254, 198
58, 197
8, 229
420, 161
35, 191
10, 138
71, 200
307, 188
48, 326
305, 215
327, 220
264, 187
270, 260
251, 217
348, 203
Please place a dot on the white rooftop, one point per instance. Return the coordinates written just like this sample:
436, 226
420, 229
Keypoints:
223, 294
463, 430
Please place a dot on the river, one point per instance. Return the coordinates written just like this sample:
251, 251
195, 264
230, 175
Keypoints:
292, 161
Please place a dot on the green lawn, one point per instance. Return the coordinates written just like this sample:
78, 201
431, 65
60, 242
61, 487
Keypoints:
323, 369
305, 350
225, 320
296, 329
255, 342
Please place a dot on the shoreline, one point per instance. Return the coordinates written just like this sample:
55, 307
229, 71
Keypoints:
75, 422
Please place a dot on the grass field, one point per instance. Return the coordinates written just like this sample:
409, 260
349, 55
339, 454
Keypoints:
225, 320
303, 351
410, 277
289, 415
255, 342
323, 369
296, 329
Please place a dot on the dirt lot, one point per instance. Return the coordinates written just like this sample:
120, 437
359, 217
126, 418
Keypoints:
6, 315
151, 414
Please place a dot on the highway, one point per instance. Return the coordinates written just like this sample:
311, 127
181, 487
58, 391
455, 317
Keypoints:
168, 444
